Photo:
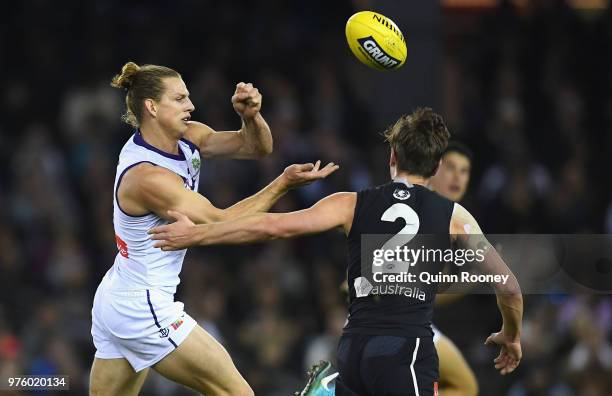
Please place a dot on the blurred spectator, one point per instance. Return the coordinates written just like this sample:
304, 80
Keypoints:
323, 346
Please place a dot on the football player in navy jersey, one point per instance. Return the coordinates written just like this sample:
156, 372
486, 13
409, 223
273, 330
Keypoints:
387, 345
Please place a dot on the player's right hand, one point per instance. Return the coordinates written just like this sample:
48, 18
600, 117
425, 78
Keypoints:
297, 175
510, 354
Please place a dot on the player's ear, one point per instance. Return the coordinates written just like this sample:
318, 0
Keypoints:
151, 107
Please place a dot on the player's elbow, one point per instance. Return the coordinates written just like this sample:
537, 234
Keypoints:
273, 227
511, 288
511, 299
264, 149
267, 148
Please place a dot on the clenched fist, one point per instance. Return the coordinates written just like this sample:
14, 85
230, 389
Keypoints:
246, 100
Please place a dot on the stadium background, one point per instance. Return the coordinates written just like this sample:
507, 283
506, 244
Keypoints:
528, 88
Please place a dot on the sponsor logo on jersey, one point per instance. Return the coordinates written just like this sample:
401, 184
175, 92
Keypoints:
121, 246
177, 324
378, 55
193, 168
401, 194
363, 287
163, 333
195, 162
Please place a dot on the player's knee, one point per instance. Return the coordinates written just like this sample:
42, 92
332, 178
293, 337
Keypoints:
246, 392
227, 389
242, 390
471, 386
95, 389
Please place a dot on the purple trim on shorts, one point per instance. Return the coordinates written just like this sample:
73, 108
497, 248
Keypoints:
191, 145
155, 318
152, 311
119, 182
139, 140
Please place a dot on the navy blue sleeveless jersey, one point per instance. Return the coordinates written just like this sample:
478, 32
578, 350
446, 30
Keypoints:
381, 213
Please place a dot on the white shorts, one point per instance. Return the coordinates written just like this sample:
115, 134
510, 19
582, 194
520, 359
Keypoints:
142, 326
436, 334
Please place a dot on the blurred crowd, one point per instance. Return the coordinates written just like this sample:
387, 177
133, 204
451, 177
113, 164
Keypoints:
527, 89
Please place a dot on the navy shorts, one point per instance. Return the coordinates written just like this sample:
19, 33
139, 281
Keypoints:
386, 366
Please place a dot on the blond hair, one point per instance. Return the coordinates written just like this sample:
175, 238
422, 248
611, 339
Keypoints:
140, 83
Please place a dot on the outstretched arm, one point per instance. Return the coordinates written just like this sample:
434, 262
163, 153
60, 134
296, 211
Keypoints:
252, 140
330, 212
293, 176
466, 231
148, 188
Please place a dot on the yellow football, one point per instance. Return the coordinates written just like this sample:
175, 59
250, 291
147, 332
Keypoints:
376, 41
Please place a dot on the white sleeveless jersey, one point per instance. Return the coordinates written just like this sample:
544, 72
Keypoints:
138, 264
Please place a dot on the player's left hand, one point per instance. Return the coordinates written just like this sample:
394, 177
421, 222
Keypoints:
510, 354
298, 175
175, 236
246, 100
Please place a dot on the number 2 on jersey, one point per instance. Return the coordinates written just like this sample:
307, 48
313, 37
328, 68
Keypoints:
404, 235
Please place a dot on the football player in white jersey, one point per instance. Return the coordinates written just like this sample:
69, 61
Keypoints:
136, 324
